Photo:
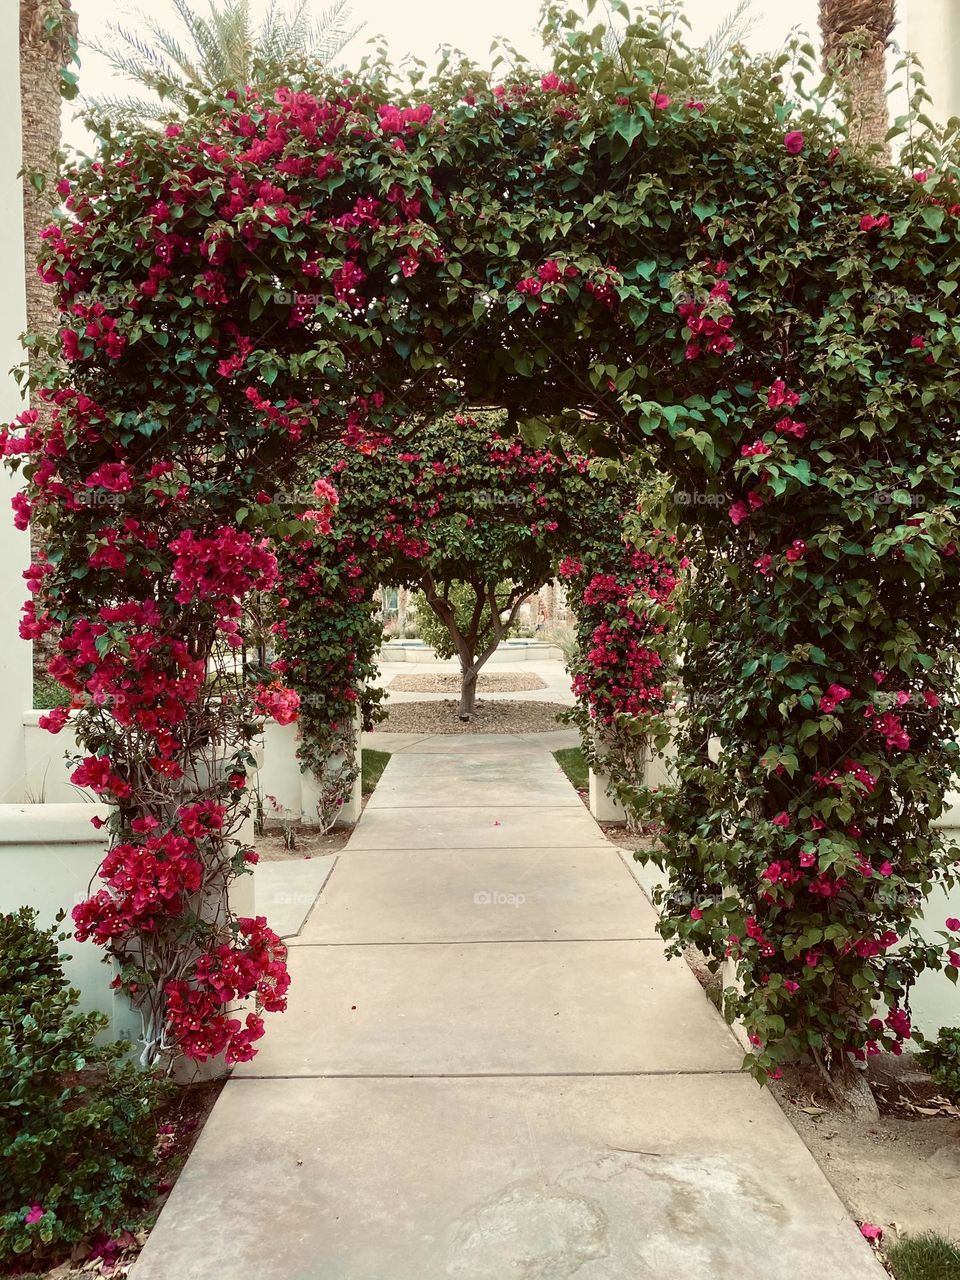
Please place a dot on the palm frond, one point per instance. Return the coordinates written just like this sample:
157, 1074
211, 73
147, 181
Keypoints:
221, 47
732, 29
136, 110
131, 55
206, 60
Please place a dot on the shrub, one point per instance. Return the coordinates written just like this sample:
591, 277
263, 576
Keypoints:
77, 1122
941, 1057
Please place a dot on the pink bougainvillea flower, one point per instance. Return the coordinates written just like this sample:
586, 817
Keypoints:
793, 142
696, 913
953, 924
870, 223
660, 101
34, 1214
695, 106
834, 695
782, 820
780, 396
871, 1232
738, 512
797, 550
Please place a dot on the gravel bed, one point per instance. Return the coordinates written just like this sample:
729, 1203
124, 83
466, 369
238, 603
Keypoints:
490, 716
449, 682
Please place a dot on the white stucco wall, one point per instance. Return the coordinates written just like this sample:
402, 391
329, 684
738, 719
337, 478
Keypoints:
931, 29
49, 855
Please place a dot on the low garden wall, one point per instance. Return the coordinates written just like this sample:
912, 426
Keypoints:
49, 855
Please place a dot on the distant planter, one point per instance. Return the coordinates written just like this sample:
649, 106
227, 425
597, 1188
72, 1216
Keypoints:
507, 653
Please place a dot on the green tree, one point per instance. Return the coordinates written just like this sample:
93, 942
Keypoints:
227, 46
467, 620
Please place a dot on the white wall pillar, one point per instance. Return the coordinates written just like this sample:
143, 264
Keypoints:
353, 805
603, 806
16, 667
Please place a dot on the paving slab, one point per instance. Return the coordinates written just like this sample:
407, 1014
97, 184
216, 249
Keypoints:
470, 827
285, 890
630, 1178
492, 1008
479, 895
489, 781
465, 1089
470, 744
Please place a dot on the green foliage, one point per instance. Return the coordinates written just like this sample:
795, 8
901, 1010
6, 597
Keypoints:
77, 1123
926, 1257
372, 765
458, 500
660, 263
941, 1057
574, 764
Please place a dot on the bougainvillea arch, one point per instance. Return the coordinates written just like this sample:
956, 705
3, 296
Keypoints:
459, 502
692, 267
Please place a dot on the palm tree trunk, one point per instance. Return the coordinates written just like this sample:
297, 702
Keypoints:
45, 29
855, 37
43, 53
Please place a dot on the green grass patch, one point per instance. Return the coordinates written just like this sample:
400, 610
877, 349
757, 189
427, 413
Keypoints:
571, 761
926, 1257
372, 765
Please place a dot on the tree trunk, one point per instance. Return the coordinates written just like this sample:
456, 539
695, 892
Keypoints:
468, 690
42, 55
855, 37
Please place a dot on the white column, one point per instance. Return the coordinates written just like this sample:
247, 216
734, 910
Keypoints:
931, 30
16, 668
353, 802
604, 806
353, 805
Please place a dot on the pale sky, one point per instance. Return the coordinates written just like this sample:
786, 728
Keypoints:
418, 26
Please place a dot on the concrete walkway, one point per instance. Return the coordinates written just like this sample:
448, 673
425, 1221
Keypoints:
489, 1071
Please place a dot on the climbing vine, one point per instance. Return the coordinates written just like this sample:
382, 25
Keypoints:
455, 500
624, 249
622, 582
